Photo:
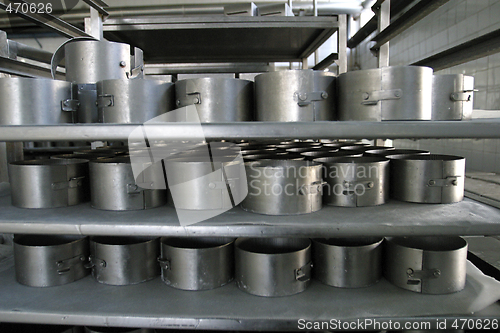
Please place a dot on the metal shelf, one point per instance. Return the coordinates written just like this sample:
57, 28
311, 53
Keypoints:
480, 128
221, 38
392, 219
153, 304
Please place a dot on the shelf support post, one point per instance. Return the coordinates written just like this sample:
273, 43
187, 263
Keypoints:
342, 44
384, 19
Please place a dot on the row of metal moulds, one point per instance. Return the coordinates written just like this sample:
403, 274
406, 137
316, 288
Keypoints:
286, 178
268, 267
105, 83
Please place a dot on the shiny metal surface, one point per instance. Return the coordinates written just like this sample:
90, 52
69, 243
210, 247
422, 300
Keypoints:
387, 93
480, 128
394, 153
452, 97
428, 178
428, 265
123, 261
88, 156
348, 262
113, 186
273, 266
90, 61
49, 260
93, 329
355, 181
201, 182
312, 156
217, 99
197, 263
27, 101
133, 101
86, 94
49, 183
283, 187
295, 95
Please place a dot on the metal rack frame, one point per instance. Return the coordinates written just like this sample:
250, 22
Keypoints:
82, 303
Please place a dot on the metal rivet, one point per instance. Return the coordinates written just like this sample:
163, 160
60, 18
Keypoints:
178, 102
409, 271
110, 103
397, 93
196, 100
324, 95
369, 185
454, 182
437, 272
432, 182
302, 96
211, 185
103, 264
366, 96
123, 63
66, 103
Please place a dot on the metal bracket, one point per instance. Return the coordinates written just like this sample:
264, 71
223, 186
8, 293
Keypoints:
190, 98
134, 189
462, 96
105, 101
164, 263
70, 105
64, 266
222, 185
448, 181
93, 261
415, 277
373, 97
71, 183
305, 99
313, 188
350, 186
303, 274
135, 72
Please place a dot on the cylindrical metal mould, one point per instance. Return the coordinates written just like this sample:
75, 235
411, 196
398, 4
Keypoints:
283, 187
429, 265
89, 157
46, 261
452, 97
114, 187
91, 329
122, 261
49, 183
86, 94
217, 99
273, 266
356, 181
348, 262
428, 178
90, 61
295, 95
133, 101
27, 101
197, 263
199, 182
398, 153
387, 93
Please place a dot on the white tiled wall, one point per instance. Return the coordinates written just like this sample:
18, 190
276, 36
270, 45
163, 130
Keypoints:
455, 22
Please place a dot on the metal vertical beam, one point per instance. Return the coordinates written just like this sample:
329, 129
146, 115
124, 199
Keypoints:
93, 25
342, 44
315, 14
384, 19
304, 63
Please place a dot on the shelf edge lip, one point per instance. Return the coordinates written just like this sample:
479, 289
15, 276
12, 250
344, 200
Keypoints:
488, 128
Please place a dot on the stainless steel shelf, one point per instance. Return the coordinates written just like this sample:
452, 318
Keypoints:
153, 304
480, 128
395, 218
167, 39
